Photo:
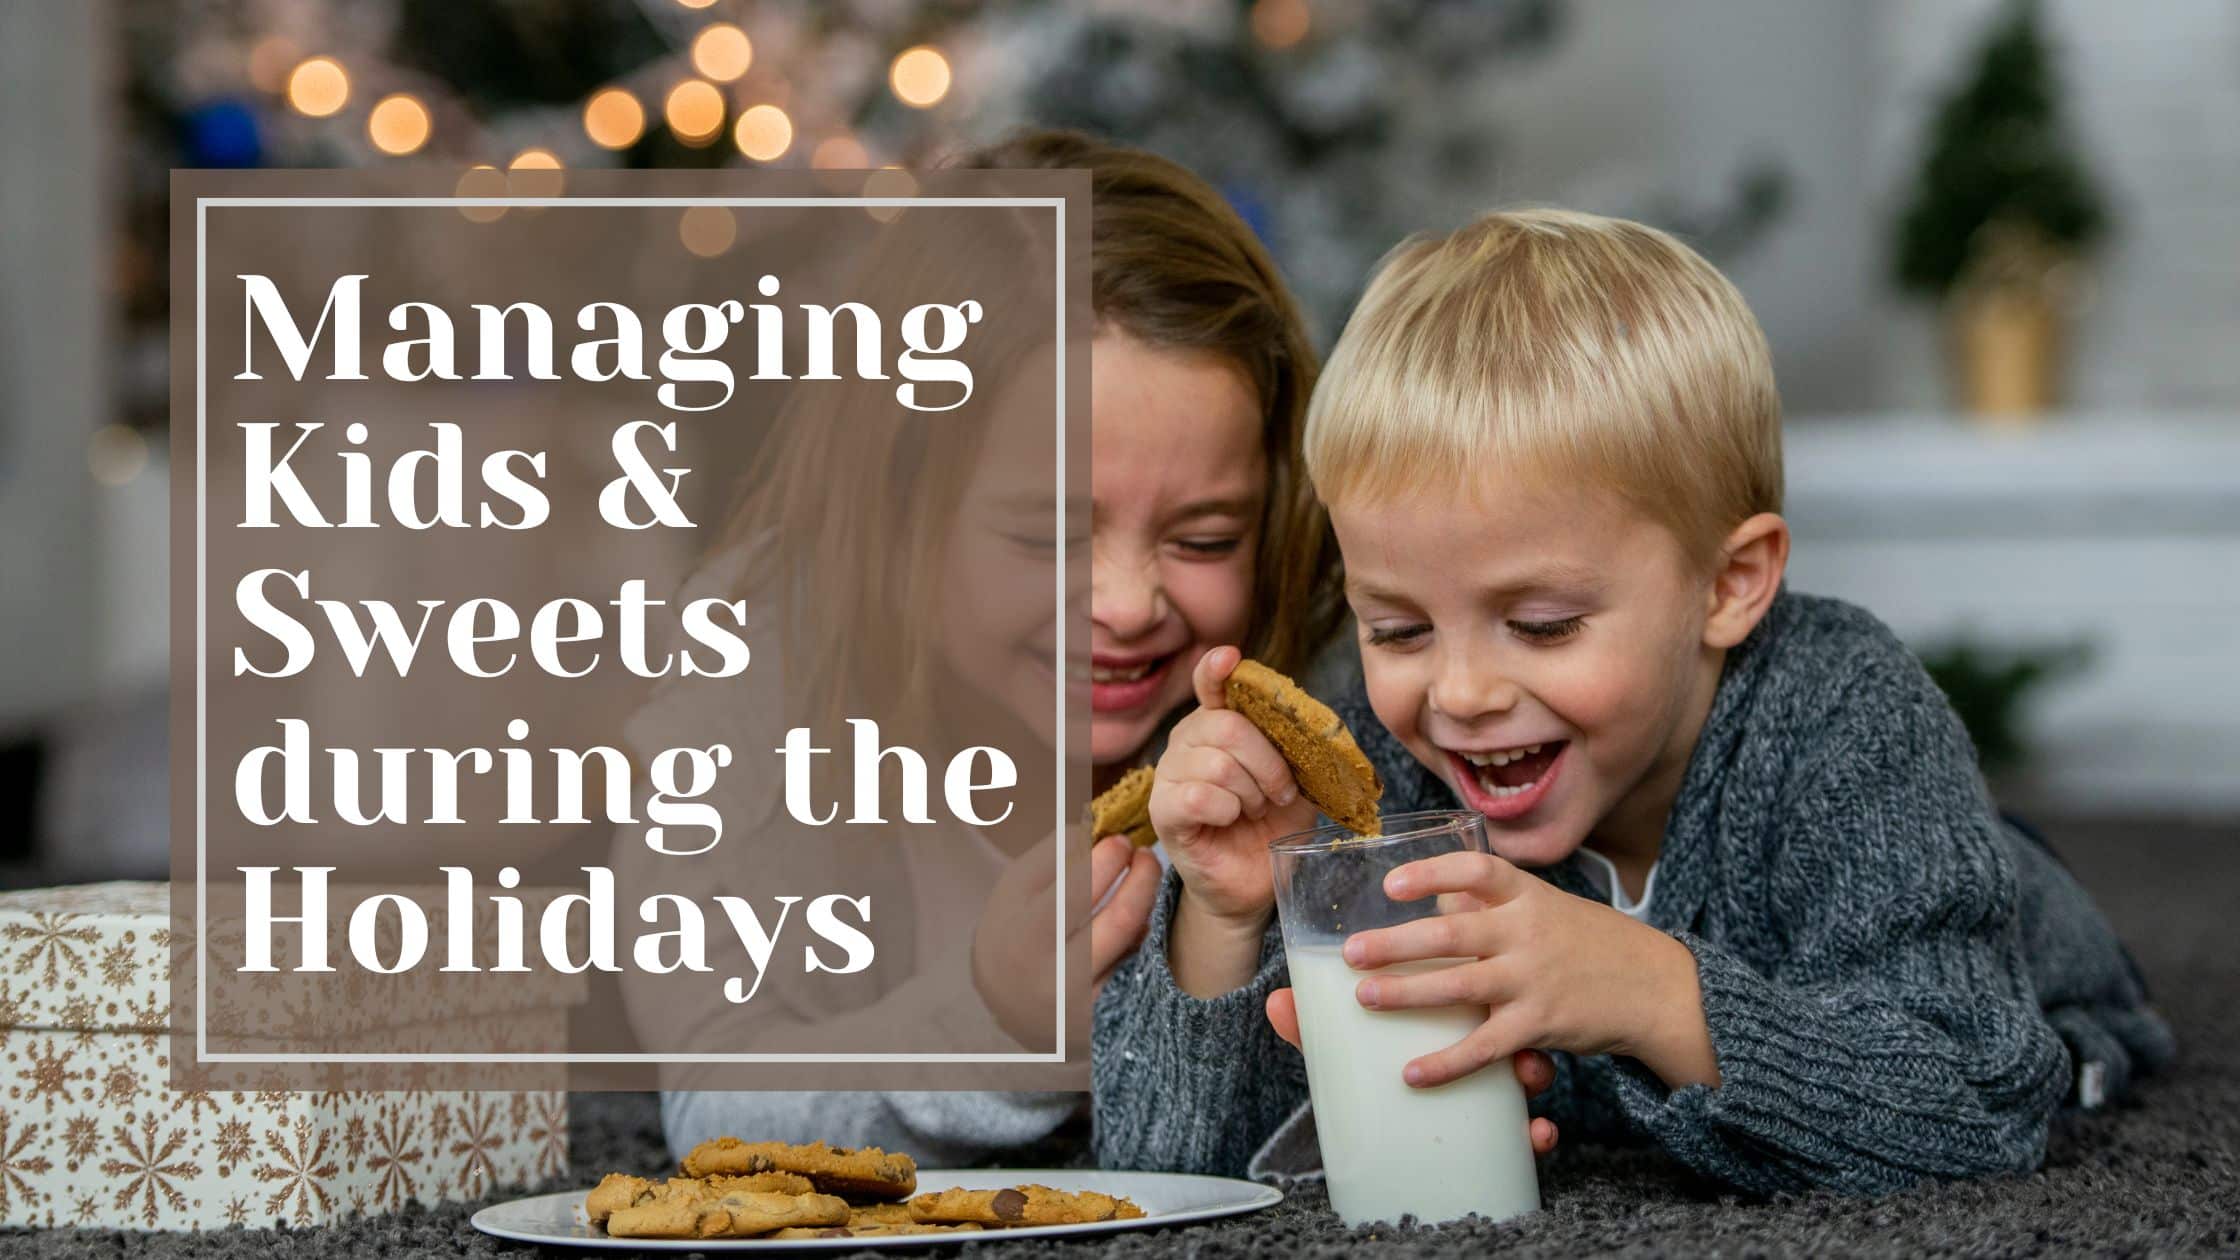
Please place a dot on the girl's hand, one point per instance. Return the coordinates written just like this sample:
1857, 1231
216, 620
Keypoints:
1019, 918
1556, 971
1535, 1071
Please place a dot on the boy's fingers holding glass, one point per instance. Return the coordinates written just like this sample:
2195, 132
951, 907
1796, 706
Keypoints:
1489, 1042
1283, 1014
1473, 983
1535, 1072
1481, 875
1543, 1136
1438, 936
1211, 671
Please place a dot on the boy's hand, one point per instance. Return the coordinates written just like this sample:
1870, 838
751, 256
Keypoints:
1535, 1071
1222, 793
1557, 971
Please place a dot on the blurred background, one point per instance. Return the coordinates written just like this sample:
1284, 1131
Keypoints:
1993, 245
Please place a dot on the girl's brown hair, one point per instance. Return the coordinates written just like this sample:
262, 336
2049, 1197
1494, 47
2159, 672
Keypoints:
1173, 265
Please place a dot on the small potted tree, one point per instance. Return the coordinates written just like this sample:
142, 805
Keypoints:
2001, 218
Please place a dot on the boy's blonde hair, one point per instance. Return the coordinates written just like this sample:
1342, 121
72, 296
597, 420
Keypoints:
1579, 347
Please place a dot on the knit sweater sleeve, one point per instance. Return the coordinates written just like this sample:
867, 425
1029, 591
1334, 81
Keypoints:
1893, 1036
1184, 1084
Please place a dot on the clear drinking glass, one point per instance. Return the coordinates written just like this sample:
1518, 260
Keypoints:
1390, 1149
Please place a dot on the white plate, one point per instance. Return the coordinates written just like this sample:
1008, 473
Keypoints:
1166, 1199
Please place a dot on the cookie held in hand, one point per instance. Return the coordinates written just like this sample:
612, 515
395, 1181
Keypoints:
1330, 768
1124, 809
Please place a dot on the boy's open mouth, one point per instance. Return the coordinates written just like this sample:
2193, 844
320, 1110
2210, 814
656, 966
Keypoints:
1505, 782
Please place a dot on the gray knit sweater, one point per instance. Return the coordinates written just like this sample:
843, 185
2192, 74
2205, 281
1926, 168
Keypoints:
1896, 982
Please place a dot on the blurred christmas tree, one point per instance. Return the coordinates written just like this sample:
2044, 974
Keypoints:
1998, 152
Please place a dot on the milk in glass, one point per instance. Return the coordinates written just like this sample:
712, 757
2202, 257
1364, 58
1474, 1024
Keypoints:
1390, 1149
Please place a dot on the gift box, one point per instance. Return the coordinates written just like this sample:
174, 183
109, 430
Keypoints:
93, 1132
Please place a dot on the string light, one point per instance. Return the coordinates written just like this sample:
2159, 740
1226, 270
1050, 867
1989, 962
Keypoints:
764, 133
722, 52
839, 153
920, 76
888, 181
707, 230
534, 173
318, 87
695, 111
1280, 23
270, 61
398, 124
481, 181
613, 118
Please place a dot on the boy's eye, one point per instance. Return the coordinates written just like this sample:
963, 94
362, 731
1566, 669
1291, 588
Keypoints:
1547, 631
1382, 635
1209, 546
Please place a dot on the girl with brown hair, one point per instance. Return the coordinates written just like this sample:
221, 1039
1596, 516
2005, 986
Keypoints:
1203, 531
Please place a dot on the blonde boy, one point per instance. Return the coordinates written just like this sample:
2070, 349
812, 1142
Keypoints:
1749, 886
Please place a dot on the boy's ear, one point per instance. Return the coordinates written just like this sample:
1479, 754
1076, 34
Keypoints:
1752, 560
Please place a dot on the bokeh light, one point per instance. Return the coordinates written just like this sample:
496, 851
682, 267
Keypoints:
534, 173
764, 133
613, 118
1280, 23
839, 153
920, 76
707, 230
888, 181
481, 181
694, 111
722, 52
270, 61
398, 124
318, 87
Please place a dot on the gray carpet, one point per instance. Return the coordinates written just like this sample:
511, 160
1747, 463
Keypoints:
2160, 1176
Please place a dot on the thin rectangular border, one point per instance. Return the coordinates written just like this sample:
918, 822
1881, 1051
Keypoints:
202, 585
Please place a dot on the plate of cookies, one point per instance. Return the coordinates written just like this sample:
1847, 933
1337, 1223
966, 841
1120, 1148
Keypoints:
739, 1195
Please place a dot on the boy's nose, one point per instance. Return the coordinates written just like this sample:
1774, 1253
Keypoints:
1464, 689
1126, 597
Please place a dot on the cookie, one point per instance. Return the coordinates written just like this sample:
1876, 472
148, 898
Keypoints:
879, 1214
871, 1231
732, 1214
861, 1172
1020, 1205
1330, 768
621, 1190
1124, 809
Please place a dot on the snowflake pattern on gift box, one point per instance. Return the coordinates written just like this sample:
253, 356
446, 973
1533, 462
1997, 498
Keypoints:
150, 1168
478, 1140
79, 1137
49, 1078
54, 942
302, 1168
548, 1133
395, 1157
19, 1162
232, 1143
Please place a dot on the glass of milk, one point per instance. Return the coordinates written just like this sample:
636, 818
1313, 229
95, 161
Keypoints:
1390, 1149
